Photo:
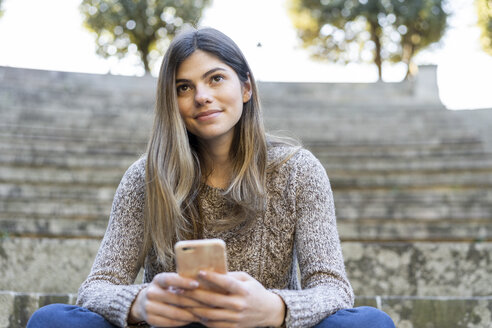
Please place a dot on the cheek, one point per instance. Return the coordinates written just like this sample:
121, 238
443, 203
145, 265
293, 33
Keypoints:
183, 107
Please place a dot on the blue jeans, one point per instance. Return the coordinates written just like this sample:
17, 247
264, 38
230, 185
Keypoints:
71, 316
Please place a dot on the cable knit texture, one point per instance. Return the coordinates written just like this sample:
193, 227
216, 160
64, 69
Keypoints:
293, 249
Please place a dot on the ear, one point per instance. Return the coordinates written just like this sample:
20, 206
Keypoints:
247, 90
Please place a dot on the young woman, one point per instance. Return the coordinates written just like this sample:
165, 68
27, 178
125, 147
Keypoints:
211, 172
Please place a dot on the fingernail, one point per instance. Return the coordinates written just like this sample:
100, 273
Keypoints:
202, 273
179, 291
194, 284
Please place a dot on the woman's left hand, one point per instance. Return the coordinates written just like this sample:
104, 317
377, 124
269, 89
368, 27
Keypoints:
246, 304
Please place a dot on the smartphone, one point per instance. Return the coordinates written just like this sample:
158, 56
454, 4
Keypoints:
201, 254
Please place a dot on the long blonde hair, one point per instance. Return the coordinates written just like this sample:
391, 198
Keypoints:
174, 163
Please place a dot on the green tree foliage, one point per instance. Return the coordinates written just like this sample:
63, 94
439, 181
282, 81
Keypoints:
1, 11
368, 30
484, 9
144, 27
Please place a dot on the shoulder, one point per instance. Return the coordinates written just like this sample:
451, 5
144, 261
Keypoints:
287, 156
296, 163
134, 177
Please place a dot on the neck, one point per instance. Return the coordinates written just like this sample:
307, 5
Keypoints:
218, 166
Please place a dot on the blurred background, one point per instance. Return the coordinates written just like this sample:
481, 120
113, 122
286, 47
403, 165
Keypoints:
51, 35
374, 81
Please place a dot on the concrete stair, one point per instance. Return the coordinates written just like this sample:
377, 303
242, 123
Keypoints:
431, 312
412, 184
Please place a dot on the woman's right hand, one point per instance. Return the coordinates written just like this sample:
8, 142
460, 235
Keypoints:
160, 303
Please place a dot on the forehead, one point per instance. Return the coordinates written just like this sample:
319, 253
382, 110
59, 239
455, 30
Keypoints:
198, 63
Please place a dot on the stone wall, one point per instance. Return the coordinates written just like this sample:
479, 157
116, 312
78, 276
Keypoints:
412, 185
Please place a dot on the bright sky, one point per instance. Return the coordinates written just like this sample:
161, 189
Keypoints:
49, 35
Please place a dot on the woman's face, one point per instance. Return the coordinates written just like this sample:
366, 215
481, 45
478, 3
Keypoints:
210, 97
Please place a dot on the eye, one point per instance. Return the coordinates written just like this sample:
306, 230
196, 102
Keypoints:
182, 88
217, 78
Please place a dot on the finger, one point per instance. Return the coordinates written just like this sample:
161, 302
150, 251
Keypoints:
219, 324
240, 275
157, 294
226, 282
211, 299
166, 311
211, 314
169, 279
158, 321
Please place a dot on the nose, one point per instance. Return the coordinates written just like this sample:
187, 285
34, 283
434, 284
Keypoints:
203, 95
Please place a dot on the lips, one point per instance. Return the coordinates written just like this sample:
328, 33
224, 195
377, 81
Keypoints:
207, 114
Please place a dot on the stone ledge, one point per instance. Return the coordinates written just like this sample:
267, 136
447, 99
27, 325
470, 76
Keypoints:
416, 268
17, 308
434, 312
407, 312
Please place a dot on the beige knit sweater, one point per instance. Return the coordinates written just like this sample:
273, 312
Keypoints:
298, 228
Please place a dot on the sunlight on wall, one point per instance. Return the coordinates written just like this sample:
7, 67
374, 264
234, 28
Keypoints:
49, 35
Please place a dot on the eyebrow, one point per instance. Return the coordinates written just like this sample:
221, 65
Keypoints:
207, 73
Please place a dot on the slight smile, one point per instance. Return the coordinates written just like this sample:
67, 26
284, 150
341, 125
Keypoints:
203, 116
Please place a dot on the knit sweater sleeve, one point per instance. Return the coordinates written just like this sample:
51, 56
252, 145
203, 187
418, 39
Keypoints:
325, 287
109, 289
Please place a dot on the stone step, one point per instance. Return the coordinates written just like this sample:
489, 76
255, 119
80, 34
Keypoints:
428, 214
15, 99
49, 176
416, 268
124, 126
340, 179
118, 100
433, 312
96, 156
410, 196
367, 93
274, 106
41, 100
415, 210
45, 145
419, 268
51, 132
26, 156
424, 197
387, 150
301, 108
479, 121
362, 93
423, 209
54, 265
349, 116
55, 207
406, 311
70, 141
408, 164
346, 134
73, 143
66, 160
62, 118
309, 130
474, 203
75, 82
54, 226
463, 178
89, 193
291, 95
372, 135
414, 229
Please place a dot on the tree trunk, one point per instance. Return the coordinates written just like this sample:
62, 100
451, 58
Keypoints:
145, 61
143, 48
407, 55
375, 37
